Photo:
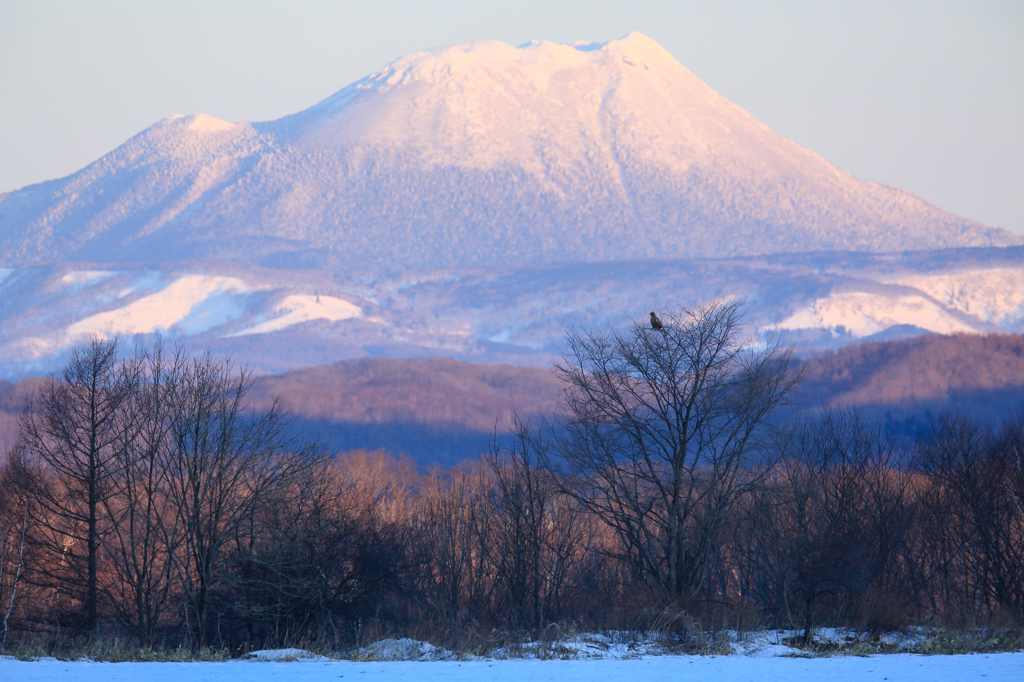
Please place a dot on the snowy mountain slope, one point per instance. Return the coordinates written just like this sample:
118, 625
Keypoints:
191, 303
474, 155
297, 309
995, 295
281, 319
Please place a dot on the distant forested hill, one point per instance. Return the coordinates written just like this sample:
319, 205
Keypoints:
13, 398
443, 411
907, 382
433, 409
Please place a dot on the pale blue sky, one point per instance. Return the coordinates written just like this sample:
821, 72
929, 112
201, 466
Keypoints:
928, 96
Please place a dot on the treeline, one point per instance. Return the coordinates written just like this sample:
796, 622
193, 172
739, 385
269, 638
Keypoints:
144, 499
443, 411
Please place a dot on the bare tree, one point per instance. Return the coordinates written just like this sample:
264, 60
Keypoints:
328, 556
455, 533
539, 535
970, 463
839, 515
1013, 444
15, 520
144, 531
888, 510
659, 425
71, 434
953, 563
225, 461
999, 512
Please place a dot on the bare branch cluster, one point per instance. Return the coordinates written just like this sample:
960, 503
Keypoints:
662, 433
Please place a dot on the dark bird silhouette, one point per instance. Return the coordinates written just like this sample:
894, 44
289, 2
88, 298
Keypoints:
656, 323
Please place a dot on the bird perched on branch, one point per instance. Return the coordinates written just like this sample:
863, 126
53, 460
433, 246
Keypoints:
656, 322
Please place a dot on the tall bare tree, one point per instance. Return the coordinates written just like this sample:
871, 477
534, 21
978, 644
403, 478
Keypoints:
225, 461
144, 531
71, 434
839, 514
16, 506
455, 533
970, 464
539, 536
659, 427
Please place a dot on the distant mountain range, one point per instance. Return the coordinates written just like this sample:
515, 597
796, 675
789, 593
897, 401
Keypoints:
473, 156
278, 320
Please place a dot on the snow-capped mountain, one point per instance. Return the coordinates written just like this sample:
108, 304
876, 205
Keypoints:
474, 155
283, 319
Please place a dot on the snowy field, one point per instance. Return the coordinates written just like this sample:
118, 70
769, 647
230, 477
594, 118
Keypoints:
902, 667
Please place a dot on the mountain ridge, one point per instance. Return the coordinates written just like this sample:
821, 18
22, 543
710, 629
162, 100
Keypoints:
475, 155
281, 319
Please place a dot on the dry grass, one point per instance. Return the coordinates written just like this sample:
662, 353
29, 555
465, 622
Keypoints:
993, 641
674, 631
109, 650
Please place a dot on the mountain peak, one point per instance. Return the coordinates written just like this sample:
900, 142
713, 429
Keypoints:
207, 124
476, 154
641, 47
485, 60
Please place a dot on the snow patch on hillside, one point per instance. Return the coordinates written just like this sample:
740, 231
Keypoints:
77, 280
32, 348
147, 281
301, 308
863, 314
191, 304
994, 295
492, 315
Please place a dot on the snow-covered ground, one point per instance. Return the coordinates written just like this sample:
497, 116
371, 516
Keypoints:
760, 655
737, 668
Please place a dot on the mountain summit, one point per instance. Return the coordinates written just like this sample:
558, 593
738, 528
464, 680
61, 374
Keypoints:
476, 154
